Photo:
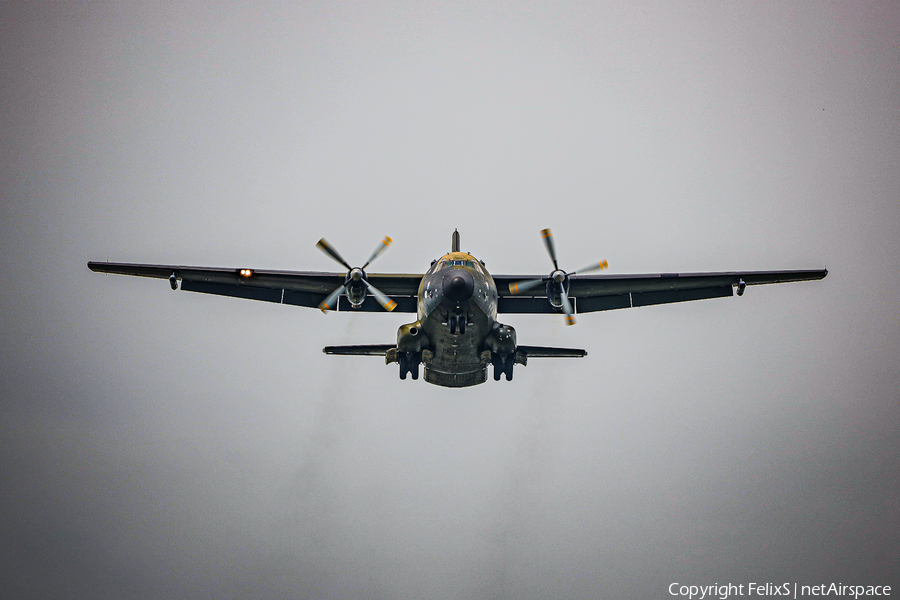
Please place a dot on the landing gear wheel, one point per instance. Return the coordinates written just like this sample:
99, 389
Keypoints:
499, 362
456, 324
508, 367
413, 363
404, 364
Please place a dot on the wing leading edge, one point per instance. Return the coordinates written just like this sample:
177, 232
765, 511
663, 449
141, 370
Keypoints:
592, 293
298, 288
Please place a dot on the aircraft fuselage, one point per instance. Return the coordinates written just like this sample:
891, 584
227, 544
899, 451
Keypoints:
457, 334
457, 312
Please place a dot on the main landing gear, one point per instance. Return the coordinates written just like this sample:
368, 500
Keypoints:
409, 363
503, 365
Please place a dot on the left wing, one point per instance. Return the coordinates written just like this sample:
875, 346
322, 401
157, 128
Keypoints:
590, 293
300, 288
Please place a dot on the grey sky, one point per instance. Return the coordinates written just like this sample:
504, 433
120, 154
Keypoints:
160, 444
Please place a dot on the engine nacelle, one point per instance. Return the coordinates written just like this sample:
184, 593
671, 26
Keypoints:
411, 338
356, 293
355, 286
553, 293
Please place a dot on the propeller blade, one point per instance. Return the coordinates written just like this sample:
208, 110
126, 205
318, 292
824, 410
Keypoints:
567, 306
330, 303
381, 248
330, 251
548, 242
597, 266
383, 300
521, 286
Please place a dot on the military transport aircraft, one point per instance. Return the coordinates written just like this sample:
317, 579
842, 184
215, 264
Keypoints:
456, 334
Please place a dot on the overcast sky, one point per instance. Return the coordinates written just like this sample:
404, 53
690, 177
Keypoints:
157, 444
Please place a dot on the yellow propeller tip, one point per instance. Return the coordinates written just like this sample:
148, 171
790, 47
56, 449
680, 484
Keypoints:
390, 306
387, 241
570, 320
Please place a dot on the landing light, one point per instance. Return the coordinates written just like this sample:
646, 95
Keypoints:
246, 272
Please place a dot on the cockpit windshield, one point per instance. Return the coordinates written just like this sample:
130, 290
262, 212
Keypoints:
450, 263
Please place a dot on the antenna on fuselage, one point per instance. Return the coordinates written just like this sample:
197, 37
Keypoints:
454, 246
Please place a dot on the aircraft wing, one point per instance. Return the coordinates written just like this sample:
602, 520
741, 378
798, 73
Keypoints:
547, 352
382, 349
590, 293
300, 288
359, 349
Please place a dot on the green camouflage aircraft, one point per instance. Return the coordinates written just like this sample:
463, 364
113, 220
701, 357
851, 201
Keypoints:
456, 335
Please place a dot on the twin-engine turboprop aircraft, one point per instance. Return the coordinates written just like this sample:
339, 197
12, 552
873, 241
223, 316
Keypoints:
456, 334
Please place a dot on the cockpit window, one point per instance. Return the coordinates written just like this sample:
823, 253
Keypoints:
458, 263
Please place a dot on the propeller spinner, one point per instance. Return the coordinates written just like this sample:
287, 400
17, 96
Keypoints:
356, 284
557, 278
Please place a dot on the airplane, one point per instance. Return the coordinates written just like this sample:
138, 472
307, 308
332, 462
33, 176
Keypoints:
456, 335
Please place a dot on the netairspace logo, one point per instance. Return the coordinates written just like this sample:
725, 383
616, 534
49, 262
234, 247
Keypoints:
785, 590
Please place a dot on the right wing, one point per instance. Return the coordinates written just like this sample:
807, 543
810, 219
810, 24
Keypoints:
359, 349
299, 288
590, 293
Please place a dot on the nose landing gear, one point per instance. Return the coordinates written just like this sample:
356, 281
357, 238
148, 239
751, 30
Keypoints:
457, 324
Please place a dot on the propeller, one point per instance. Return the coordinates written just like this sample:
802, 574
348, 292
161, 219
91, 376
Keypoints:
356, 277
557, 275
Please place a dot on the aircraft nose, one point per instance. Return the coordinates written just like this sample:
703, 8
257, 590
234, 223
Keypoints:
458, 285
